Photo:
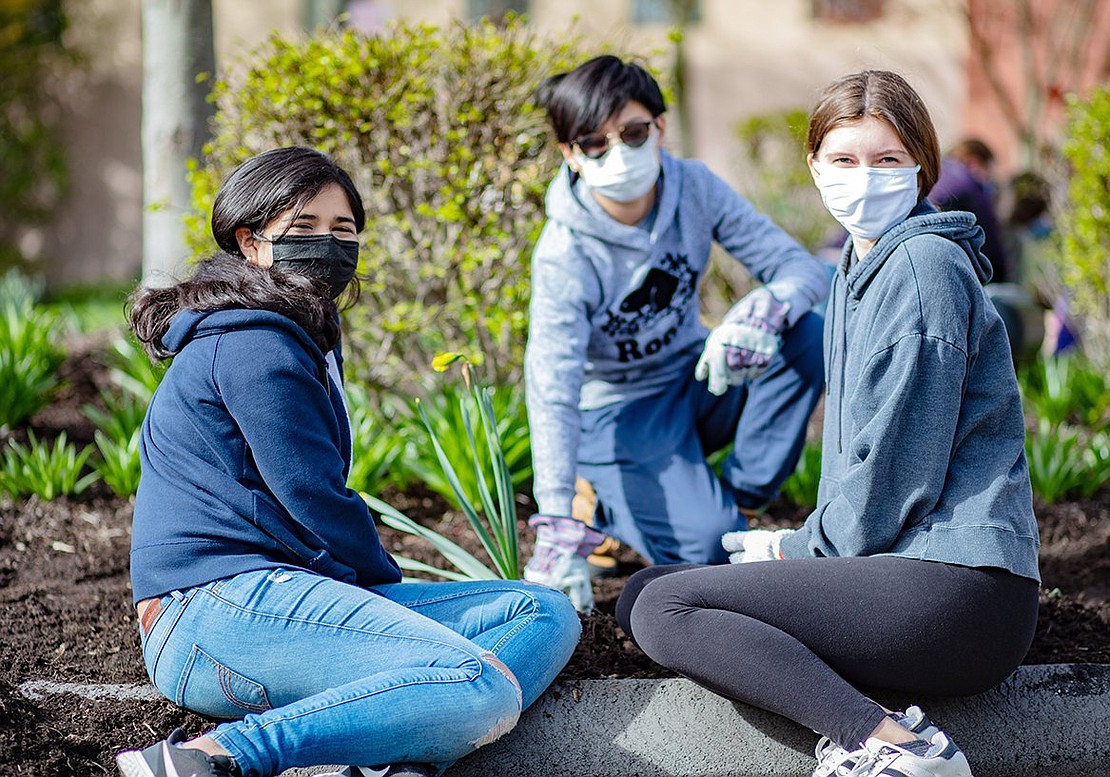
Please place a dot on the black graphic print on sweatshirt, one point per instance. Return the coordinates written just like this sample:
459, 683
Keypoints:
650, 315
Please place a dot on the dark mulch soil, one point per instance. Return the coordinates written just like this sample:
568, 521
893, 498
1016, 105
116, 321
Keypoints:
65, 611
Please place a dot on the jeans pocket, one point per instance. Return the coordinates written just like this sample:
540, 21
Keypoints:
153, 642
210, 688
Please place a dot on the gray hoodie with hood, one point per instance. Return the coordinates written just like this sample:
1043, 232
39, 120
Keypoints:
614, 308
923, 450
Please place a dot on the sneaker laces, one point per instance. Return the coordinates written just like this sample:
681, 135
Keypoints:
865, 760
830, 757
871, 763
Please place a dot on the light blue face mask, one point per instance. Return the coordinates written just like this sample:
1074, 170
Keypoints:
867, 201
622, 173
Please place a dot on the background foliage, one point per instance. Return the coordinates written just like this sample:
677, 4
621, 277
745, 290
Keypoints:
32, 160
775, 178
1084, 222
439, 129
29, 353
778, 182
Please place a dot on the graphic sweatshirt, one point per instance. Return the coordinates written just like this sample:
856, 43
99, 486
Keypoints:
923, 448
245, 451
614, 314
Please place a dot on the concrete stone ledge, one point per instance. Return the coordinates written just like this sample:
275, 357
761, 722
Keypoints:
1045, 721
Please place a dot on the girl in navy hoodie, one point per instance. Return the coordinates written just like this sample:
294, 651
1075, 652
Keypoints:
917, 571
262, 590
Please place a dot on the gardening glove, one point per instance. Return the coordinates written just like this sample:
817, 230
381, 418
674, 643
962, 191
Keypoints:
753, 545
559, 558
741, 348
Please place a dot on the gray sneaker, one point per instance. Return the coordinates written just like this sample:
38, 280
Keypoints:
167, 759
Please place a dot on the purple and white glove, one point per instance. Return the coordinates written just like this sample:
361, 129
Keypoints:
741, 348
745, 547
559, 558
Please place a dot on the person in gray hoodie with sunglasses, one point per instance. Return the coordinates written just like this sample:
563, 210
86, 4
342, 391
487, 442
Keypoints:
628, 392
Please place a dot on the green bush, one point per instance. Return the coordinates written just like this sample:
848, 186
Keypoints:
117, 434
438, 127
1097, 457
774, 177
89, 308
117, 463
134, 378
29, 357
1058, 461
1084, 221
781, 186
478, 459
132, 370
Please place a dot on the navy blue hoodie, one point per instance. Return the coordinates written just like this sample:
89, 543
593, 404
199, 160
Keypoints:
245, 452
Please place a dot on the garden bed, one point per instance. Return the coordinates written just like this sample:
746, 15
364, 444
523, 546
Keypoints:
65, 613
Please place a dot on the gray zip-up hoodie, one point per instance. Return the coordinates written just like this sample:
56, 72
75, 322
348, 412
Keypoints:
923, 450
614, 308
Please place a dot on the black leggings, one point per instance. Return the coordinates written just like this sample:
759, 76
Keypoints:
795, 637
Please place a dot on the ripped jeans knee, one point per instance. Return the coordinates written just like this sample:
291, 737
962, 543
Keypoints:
505, 723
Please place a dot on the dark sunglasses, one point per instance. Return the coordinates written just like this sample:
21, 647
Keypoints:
633, 134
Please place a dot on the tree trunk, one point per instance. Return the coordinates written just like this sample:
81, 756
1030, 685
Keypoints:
177, 47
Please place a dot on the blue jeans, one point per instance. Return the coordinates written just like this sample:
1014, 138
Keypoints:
646, 458
323, 672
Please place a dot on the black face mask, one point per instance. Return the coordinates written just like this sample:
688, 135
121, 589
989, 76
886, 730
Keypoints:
319, 256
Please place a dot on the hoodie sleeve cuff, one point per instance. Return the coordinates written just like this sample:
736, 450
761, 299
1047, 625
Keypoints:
799, 300
556, 502
795, 544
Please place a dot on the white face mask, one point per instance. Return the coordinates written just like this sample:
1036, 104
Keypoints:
622, 173
867, 201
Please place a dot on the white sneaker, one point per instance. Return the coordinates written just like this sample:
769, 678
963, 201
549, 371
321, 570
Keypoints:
882, 759
833, 760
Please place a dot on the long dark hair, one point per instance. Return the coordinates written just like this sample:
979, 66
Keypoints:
255, 193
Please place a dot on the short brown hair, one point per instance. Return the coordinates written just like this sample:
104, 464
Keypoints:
882, 95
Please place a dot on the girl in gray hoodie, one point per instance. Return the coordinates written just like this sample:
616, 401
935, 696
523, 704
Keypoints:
917, 571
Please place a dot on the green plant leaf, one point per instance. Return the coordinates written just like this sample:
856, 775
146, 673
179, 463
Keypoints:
412, 565
464, 561
464, 501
